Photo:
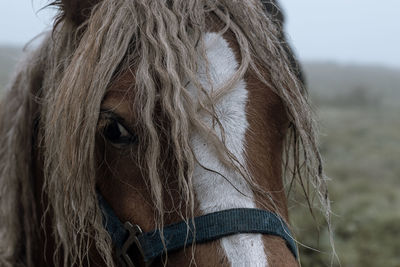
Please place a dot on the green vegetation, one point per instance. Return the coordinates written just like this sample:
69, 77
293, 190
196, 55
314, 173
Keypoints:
359, 113
360, 141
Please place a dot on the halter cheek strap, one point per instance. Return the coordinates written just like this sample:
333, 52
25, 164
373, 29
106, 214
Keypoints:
128, 237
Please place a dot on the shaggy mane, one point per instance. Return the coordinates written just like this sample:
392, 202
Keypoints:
53, 104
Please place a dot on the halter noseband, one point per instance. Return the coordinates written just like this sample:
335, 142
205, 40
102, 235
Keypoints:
129, 239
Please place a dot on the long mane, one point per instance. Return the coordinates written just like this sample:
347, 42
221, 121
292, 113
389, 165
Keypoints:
53, 105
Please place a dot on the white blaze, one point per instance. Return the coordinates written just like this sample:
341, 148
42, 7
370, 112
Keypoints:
213, 192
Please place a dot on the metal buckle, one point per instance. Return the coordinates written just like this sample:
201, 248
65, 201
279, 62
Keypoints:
122, 254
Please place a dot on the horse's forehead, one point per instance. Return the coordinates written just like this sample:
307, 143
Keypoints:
120, 95
122, 83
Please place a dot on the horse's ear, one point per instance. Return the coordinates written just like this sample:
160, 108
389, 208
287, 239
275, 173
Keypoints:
76, 11
273, 9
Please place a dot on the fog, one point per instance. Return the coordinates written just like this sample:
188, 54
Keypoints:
356, 31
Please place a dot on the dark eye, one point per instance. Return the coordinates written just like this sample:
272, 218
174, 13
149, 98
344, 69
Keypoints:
117, 134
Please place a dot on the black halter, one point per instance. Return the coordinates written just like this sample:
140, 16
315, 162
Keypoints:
129, 239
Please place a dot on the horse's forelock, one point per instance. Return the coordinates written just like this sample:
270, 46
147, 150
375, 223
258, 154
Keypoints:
77, 77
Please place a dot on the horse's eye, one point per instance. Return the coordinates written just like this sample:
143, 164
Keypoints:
117, 134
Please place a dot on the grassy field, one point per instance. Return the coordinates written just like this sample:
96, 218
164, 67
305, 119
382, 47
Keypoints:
360, 143
361, 147
359, 110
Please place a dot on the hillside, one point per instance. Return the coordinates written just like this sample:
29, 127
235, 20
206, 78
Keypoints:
330, 83
358, 109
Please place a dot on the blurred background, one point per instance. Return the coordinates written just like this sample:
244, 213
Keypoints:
350, 55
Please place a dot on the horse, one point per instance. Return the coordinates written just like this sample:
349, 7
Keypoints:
156, 133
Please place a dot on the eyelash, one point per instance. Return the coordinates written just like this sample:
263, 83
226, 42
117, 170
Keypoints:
116, 132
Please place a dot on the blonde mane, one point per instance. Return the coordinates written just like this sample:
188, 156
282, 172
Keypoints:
53, 106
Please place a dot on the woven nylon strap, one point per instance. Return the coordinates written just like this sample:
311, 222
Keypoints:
209, 227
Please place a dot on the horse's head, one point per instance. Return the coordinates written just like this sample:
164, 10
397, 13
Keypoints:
153, 113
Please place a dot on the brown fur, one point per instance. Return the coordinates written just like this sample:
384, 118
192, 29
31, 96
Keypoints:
265, 137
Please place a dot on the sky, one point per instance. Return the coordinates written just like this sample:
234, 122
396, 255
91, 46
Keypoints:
359, 31
343, 31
